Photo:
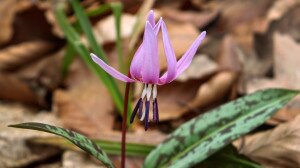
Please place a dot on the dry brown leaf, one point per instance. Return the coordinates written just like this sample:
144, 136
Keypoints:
220, 84
214, 90
105, 31
21, 54
199, 19
290, 22
44, 73
7, 12
86, 106
16, 89
72, 159
198, 3
277, 148
177, 98
287, 73
32, 83
15, 152
233, 13
229, 57
278, 9
200, 67
30, 24
241, 26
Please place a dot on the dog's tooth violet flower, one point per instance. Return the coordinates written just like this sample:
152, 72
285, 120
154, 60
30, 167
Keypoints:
145, 67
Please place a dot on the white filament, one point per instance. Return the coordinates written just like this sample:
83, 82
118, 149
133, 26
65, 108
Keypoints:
144, 91
154, 91
143, 115
149, 89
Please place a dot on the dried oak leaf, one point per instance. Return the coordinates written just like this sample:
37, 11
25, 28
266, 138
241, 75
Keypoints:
86, 105
105, 31
16, 89
276, 12
15, 56
199, 19
15, 151
7, 12
32, 83
73, 159
277, 148
286, 72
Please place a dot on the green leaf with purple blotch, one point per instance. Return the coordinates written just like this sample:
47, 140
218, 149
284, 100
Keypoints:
204, 135
79, 140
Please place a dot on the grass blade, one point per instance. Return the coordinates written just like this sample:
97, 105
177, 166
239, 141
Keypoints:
99, 10
74, 39
87, 29
117, 10
68, 59
110, 147
228, 158
202, 136
79, 140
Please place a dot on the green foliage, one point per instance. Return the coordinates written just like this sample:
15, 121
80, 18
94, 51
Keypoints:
79, 140
73, 39
225, 158
228, 158
202, 136
110, 147
68, 59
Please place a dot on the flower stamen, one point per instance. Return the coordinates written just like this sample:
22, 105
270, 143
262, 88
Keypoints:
155, 111
147, 106
135, 110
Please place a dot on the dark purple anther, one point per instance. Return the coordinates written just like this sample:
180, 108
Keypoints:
146, 120
135, 110
155, 111
140, 113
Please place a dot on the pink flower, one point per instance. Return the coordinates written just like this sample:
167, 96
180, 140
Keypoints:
145, 66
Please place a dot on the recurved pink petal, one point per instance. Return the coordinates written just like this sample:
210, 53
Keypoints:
186, 59
170, 55
150, 68
110, 70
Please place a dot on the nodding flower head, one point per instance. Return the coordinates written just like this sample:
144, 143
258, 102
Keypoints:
144, 67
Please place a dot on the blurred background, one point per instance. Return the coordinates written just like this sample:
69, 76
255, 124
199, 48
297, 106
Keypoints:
46, 74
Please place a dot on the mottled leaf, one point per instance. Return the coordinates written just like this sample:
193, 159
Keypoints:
79, 140
202, 136
225, 158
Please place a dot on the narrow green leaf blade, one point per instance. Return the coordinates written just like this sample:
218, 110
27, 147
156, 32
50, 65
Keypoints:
202, 136
68, 59
87, 28
228, 157
73, 38
79, 140
99, 10
117, 10
110, 147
